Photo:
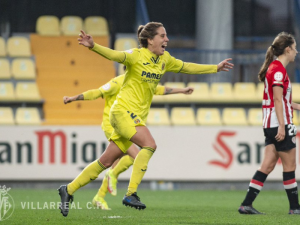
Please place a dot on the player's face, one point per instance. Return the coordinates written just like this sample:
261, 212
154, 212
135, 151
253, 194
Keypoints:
293, 52
158, 44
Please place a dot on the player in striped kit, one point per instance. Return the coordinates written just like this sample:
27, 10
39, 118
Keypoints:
279, 131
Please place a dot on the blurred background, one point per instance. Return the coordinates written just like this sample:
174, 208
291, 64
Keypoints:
215, 133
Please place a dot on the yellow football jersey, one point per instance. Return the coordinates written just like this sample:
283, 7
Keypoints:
109, 92
144, 70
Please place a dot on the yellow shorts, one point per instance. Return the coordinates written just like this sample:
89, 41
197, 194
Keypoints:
108, 129
124, 123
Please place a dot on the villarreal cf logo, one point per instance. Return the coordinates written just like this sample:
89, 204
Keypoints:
137, 121
163, 66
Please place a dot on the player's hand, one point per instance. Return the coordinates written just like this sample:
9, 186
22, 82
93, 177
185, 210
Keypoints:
67, 99
188, 90
225, 65
85, 40
280, 134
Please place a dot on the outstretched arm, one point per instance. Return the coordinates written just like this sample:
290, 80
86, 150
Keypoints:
225, 65
88, 95
68, 99
186, 91
87, 41
194, 68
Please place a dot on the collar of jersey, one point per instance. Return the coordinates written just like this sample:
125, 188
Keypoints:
153, 58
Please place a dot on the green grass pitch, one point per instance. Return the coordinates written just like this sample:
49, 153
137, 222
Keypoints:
163, 207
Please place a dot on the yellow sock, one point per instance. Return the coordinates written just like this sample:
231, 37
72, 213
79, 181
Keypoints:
90, 173
139, 168
123, 165
103, 189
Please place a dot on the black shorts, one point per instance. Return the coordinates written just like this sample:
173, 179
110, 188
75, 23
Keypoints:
289, 141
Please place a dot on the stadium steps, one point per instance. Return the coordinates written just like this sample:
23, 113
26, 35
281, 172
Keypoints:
66, 69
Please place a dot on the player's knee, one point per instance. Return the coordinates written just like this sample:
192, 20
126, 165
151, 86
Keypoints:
106, 164
291, 167
153, 145
267, 169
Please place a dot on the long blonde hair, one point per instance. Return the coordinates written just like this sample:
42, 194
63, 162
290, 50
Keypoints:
281, 41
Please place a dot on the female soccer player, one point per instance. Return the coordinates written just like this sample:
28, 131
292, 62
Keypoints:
109, 92
145, 67
278, 125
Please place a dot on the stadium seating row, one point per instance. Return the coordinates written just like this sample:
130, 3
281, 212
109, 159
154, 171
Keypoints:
49, 25
220, 92
19, 69
208, 116
15, 47
23, 116
180, 116
24, 91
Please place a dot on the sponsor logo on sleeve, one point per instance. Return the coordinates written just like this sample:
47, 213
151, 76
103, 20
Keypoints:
106, 86
278, 76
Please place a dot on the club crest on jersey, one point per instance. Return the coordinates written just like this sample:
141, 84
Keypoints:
137, 121
163, 66
278, 76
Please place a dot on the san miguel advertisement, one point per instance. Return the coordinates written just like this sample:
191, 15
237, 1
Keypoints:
183, 153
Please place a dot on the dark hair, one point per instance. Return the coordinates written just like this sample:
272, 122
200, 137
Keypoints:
281, 41
146, 32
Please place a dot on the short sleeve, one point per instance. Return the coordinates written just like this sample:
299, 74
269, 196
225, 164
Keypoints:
277, 78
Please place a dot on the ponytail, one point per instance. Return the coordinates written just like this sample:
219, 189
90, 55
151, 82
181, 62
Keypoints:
269, 58
141, 27
277, 48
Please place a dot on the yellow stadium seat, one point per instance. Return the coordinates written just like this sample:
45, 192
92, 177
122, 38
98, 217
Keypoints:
23, 69
158, 116
255, 116
6, 116
18, 47
28, 116
7, 91
2, 47
200, 94
175, 97
234, 116
221, 92
183, 116
260, 91
71, 25
296, 92
96, 26
209, 116
27, 91
123, 44
295, 118
244, 92
4, 69
48, 25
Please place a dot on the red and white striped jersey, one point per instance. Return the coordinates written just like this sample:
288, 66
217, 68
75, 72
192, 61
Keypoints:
277, 76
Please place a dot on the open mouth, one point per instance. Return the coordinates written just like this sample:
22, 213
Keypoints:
164, 46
